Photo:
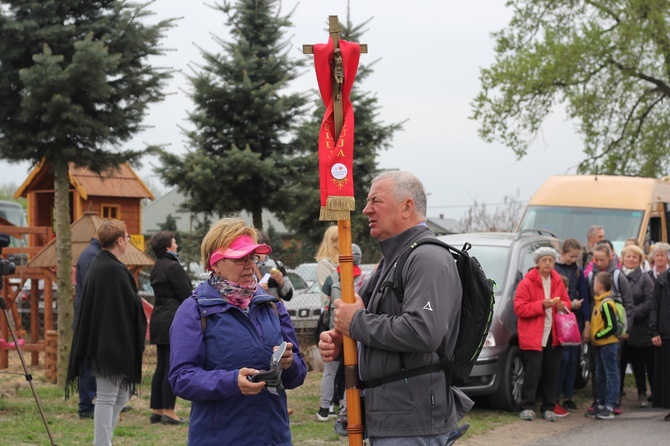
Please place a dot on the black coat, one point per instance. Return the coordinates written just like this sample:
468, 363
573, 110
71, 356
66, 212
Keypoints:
171, 286
642, 289
111, 327
659, 316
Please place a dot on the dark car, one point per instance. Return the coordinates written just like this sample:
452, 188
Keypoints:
505, 258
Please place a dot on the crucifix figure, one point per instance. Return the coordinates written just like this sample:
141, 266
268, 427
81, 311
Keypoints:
334, 30
336, 63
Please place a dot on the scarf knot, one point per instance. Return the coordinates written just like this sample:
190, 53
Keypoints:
235, 294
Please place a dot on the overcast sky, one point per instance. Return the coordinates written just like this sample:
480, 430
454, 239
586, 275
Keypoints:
430, 55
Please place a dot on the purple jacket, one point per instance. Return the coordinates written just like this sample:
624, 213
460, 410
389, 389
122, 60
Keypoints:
204, 368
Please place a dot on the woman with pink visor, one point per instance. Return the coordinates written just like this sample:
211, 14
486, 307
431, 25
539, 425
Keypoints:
225, 334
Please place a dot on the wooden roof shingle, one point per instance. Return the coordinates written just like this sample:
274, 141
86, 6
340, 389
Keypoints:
121, 182
82, 231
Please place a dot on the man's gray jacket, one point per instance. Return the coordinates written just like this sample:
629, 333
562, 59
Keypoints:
395, 335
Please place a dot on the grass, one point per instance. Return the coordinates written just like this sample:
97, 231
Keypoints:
21, 424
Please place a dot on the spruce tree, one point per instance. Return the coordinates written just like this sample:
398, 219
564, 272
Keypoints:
74, 86
243, 121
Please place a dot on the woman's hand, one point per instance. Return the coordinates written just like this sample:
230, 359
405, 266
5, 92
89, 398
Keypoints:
656, 340
277, 276
548, 303
246, 386
287, 357
560, 306
586, 334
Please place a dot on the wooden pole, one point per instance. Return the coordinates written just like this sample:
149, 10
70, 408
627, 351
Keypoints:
355, 426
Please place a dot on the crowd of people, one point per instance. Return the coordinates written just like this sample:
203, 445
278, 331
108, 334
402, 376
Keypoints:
622, 308
229, 346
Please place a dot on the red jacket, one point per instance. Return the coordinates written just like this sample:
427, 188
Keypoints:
530, 312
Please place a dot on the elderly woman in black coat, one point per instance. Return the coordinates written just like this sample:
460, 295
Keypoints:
171, 286
659, 328
637, 349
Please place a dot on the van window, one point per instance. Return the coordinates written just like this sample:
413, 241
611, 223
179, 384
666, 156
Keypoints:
566, 222
655, 232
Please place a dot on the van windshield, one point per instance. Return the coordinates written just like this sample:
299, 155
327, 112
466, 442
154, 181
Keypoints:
567, 222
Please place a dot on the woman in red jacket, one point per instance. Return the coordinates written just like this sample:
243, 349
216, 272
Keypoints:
538, 297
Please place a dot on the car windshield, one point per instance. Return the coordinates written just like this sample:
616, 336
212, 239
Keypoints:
297, 281
493, 260
567, 222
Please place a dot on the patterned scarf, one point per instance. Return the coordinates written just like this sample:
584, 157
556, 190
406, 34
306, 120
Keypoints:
235, 294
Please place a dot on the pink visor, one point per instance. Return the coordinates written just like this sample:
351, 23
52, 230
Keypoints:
241, 247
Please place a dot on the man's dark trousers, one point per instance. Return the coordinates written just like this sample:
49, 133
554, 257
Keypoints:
87, 390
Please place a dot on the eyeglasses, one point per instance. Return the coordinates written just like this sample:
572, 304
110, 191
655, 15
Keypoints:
243, 261
127, 236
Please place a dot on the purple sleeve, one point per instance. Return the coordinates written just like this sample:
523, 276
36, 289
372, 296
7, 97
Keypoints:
295, 375
188, 377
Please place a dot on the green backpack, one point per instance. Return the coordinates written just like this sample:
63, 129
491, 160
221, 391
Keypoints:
621, 320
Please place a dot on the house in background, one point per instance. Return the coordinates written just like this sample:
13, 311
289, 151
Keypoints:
116, 194
156, 213
443, 226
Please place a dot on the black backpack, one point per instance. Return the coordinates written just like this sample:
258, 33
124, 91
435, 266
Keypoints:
476, 313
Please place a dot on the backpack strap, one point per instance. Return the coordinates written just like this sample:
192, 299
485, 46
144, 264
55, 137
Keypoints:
404, 374
615, 280
395, 282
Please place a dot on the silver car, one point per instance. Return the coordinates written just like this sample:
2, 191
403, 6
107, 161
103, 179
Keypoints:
505, 258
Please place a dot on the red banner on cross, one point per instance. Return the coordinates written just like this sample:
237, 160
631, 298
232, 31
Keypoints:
335, 72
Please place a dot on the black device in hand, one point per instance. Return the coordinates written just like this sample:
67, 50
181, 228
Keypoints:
272, 377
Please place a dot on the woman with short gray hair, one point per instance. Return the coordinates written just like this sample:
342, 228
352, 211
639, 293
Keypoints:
659, 251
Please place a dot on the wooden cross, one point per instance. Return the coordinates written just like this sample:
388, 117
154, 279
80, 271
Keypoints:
334, 29
354, 410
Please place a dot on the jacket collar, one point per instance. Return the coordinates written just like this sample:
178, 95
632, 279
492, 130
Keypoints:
393, 246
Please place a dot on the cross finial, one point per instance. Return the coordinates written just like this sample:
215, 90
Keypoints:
334, 30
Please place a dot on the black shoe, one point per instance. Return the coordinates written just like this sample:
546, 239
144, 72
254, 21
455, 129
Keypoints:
457, 433
570, 406
322, 414
86, 415
155, 418
126, 409
167, 420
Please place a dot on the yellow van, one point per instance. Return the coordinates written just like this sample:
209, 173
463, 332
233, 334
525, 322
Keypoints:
624, 206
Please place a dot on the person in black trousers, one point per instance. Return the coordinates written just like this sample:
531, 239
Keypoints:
171, 287
86, 385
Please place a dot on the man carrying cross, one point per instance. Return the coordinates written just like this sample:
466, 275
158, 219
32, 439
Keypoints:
396, 336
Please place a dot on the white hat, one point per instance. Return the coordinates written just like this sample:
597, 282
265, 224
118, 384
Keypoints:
544, 251
357, 253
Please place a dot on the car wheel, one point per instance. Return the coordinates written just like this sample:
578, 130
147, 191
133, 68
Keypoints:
508, 395
583, 373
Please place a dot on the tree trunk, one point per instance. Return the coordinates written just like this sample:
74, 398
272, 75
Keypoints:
257, 217
64, 265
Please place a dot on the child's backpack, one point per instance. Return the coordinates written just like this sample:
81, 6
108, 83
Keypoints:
621, 321
476, 308
615, 296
